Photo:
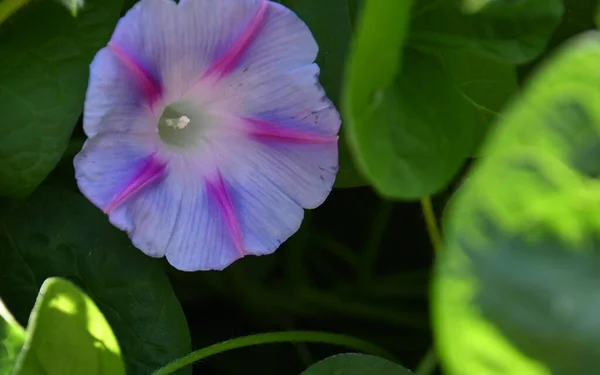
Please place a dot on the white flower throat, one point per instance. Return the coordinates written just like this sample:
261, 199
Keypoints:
182, 125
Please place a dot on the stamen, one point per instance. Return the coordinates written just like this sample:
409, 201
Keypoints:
179, 123
183, 124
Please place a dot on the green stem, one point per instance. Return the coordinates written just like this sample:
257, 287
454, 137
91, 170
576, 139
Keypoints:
272, 338
428, 363
432, 227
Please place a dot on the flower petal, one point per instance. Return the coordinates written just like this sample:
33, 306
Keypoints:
110, 167
116, 99
150, 217
267, 215
181, 41
112, 172
273, 40
203, 238
270, 151
182, 219
248, 205
292, 101
275, 79
170, 211
305, 172
271, 182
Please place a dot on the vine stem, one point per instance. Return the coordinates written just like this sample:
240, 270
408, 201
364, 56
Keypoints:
429, 362
432, 226
273, 338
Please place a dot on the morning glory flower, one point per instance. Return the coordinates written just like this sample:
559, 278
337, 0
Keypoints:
208, 132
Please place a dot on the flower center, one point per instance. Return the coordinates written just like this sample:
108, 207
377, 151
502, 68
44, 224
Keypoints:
181, 125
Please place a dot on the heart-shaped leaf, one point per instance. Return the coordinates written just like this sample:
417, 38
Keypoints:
44, 59
516, 288
68, 335
12, 338
57, 232
409, 127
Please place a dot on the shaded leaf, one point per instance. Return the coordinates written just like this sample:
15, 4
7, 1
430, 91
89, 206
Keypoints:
516, 289
355, 364
474, 6
56, 232
68, 335
508, 31
487, 85
12, 338
44, 58
409, 128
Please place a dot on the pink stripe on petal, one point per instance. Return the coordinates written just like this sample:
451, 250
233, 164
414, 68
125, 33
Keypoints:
151, 87
228, 61
218, 190
151, 170
267, 131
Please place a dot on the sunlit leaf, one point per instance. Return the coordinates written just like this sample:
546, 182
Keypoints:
516, 291
12, 338
68, 335
73, 5
57, 232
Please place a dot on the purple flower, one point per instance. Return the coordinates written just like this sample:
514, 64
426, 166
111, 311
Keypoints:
208, 130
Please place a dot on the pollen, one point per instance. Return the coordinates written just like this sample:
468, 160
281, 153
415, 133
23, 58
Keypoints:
179, 123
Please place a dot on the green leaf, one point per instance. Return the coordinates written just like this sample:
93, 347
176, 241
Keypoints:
515, 291
355, 364
508, 31
474, 6
57, 232
409, 128
68, 335
73, 5
12, 338
331, 24
487, 85
9, 7
44, 59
